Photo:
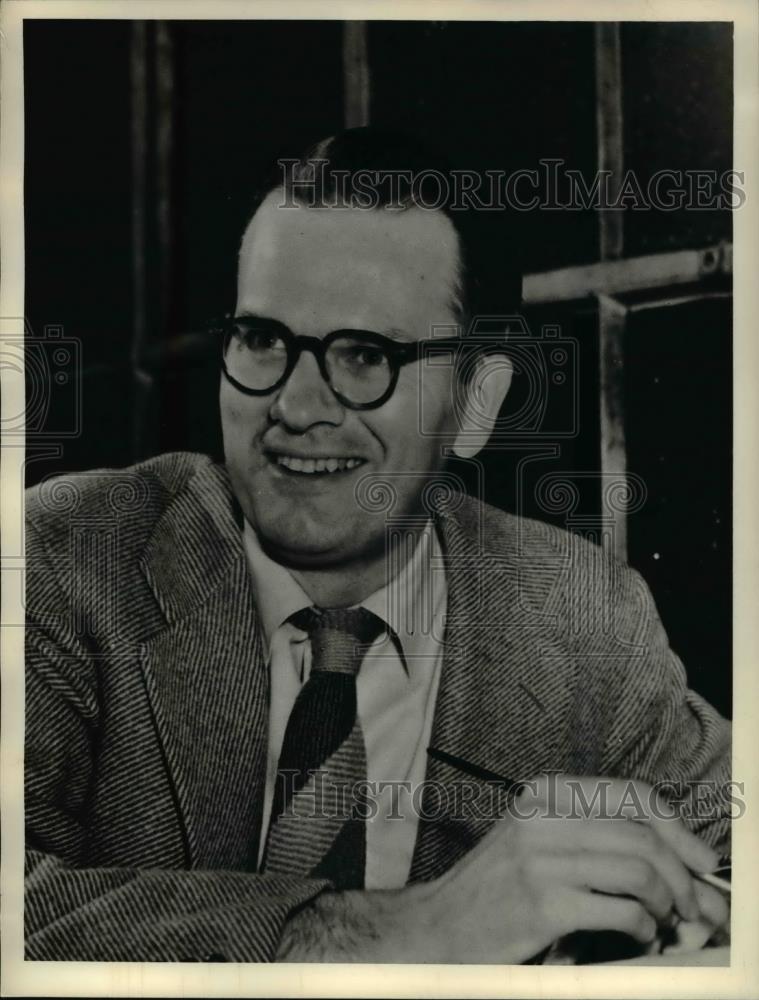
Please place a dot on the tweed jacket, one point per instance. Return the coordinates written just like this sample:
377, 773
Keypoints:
147, 712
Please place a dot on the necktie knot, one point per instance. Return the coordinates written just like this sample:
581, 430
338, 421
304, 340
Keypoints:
339, 636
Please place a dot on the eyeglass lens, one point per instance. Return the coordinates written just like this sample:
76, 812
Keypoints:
358, 368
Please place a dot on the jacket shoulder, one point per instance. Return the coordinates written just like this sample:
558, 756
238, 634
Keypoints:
135, 497
559, 573
525, 539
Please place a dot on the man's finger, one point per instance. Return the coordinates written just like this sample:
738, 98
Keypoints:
633, 800
713, 905
613, 874
623, 838
590, 911
692, 851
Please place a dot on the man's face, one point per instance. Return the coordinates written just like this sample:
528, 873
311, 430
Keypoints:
318, 270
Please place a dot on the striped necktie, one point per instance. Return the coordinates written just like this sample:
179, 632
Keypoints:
316, 828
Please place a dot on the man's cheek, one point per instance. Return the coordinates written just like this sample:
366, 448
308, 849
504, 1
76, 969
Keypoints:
239, 423
232, 414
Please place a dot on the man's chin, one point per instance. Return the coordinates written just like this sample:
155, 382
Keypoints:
309, 550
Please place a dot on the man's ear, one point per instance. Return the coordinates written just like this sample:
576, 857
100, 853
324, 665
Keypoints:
482, 399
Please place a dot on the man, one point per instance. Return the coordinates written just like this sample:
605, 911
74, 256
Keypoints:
204, 641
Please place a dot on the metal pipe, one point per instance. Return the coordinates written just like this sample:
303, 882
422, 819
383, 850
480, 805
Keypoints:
610, 140
614, 277
612, 319
138, 66
356, 78
164, 126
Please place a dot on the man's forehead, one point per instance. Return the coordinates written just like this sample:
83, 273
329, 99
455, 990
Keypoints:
419, 230
409, 254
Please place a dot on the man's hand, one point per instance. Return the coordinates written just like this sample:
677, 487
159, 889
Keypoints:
530, 881
533, 880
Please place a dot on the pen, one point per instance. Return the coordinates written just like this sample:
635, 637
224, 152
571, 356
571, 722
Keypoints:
711, 878
474, 769
485, 774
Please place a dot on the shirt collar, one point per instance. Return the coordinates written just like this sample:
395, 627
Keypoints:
407, 603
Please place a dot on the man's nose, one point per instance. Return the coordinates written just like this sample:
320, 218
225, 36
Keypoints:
305, 399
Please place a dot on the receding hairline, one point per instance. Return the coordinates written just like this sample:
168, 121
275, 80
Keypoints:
457, 278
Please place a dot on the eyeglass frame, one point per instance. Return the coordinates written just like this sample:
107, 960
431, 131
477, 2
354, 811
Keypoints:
398, 354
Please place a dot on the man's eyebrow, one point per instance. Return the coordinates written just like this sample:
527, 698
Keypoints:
263, 320
392, 333
395, 334
246, 314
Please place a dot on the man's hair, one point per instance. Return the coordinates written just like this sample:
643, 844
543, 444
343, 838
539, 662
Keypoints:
379, 169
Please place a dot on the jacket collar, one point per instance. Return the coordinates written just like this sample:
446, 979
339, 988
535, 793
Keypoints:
205, 672
196, 544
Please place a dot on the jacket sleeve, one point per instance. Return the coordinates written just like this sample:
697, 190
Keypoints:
662, 732
76, 911
123, 914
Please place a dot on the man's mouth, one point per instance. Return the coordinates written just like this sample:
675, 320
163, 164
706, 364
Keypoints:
315, 466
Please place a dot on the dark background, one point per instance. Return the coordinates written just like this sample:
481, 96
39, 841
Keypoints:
510, 93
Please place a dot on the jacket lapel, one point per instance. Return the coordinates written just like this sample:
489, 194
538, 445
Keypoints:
206, 675
504, 695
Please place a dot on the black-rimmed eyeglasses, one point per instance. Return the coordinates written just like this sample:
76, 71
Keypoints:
360, 366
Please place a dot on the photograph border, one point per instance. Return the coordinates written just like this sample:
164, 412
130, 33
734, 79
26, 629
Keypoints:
741, 979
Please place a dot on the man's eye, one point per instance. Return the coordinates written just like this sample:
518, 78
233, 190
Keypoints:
256, 339
369, 357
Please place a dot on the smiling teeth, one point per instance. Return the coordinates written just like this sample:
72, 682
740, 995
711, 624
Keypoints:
317, 464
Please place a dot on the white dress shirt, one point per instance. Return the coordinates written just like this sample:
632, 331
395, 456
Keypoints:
395, 688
